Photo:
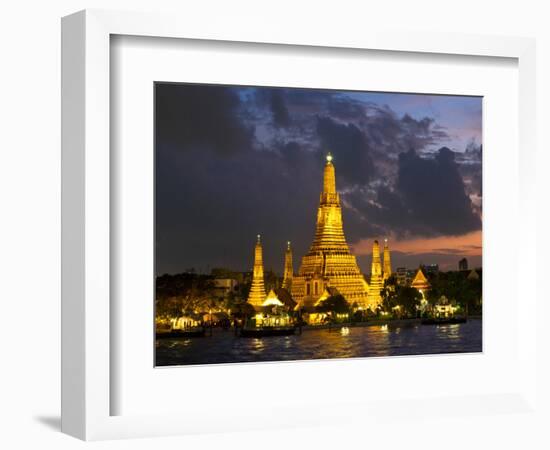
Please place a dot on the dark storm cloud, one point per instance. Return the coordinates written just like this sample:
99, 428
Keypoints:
279, 110
232, 162
207, 117
434, 192
345, 109
348, 142
210, 208
392, 135
429, 199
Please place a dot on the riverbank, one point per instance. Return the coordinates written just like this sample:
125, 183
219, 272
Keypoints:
374, 322
369, 323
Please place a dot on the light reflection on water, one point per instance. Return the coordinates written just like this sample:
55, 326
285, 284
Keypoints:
384, 340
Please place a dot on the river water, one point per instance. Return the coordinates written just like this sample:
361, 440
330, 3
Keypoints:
384, 340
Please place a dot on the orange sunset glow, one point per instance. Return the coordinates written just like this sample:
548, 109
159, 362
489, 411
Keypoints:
466, 245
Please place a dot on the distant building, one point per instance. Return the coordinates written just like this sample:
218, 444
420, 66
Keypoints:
430, 269
463, 264
401, 276
404, 276
223, 286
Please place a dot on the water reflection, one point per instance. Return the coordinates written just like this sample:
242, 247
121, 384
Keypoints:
384, 340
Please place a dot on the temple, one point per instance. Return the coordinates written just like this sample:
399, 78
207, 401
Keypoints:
257, 295
288, 269
387, 261
329, 262
376, 281
421, 283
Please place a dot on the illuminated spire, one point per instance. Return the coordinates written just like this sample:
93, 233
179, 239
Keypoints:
376, 267
289, 268
376, 283
257, 290
387, 261
329, 262
329, 182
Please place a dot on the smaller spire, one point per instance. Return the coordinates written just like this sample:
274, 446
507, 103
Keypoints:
288, 245
329, 158
259, 239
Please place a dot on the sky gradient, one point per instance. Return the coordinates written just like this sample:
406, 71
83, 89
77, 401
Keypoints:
233, 162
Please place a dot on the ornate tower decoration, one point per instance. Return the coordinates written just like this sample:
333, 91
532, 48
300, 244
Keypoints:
256, 295
387, 261
329, 262
289, 268
376, 281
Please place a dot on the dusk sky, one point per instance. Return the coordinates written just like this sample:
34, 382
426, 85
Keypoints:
233, 162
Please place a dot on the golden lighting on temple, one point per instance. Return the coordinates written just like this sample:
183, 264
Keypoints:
376, 281
257, 291
329, 262
288, 269
329, 268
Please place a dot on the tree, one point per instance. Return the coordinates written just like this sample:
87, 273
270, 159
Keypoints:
408, 298
242, 310
336, 304
456, 286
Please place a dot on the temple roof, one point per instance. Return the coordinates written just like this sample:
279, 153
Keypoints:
284, 296
272, 299
420, 281
473, 275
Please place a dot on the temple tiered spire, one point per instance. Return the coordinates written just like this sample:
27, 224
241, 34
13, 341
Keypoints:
329, 262
387, 261
257, 291
288, 269
376, 282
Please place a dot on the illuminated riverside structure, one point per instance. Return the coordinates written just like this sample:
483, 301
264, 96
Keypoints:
329, 262
257, 296
376, 281
421, 283
289, 268
387, 261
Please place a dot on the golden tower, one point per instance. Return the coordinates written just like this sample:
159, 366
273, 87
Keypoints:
289, 268
387, 261
256, 295
376, 281
329, 262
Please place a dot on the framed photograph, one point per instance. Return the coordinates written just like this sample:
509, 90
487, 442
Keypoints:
411, 204
283, 223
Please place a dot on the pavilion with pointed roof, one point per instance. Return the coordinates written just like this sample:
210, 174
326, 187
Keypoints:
420, 281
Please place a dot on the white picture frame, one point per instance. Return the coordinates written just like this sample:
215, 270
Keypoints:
86, 240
